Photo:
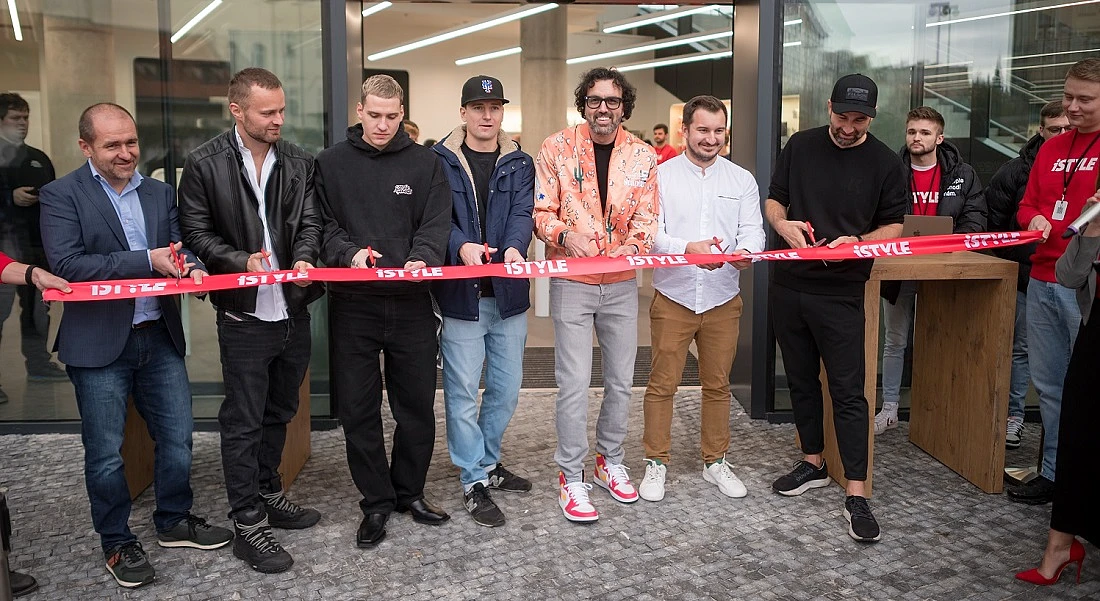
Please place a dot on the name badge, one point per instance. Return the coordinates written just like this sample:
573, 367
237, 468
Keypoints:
1060, 208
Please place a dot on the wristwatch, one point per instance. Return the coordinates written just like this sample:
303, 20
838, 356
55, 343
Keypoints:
561, 237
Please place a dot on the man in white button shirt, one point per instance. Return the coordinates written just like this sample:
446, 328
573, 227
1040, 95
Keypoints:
246, 204
707, 206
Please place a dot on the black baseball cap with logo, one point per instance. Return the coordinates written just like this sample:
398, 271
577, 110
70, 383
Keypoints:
482, 87
855, 93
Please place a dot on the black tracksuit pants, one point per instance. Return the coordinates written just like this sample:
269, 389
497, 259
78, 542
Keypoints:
815, 328
403, 328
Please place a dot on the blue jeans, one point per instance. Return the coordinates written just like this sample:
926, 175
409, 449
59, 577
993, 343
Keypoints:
897, 321
152, 371
473, 435
1053, 319
1021, 376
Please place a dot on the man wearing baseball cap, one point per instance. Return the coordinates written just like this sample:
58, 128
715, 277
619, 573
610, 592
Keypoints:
834, 184
484, 320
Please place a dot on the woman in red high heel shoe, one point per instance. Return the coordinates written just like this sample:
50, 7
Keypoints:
1073, 512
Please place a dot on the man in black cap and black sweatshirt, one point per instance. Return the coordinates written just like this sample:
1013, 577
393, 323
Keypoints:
839, 184
386, 204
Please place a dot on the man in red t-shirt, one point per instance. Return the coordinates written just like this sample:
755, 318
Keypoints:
665, 151
1062, 178
939, 183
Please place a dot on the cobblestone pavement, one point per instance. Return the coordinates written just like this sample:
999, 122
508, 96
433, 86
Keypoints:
943, 539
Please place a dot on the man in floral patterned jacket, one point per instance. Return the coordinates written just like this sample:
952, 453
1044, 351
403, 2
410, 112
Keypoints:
595, 194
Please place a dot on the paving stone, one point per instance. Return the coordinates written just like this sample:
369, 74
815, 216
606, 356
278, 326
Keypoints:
942, 537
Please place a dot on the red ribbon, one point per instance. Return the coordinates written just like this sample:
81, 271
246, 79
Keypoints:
897, 247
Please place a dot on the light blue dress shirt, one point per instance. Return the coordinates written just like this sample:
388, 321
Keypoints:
128, 208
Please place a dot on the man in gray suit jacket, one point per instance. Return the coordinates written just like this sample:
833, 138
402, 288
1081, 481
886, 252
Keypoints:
104, 221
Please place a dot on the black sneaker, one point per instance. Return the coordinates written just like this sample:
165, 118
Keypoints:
282, 513
502, 479
195, 533
482, 508
21, 584
130, 565
861, 522
256, 545
1014, 432
1038, 491
803, 477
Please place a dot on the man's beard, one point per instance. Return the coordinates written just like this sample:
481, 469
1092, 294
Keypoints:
601, 130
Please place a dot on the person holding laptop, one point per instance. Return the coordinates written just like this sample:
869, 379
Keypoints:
940, 184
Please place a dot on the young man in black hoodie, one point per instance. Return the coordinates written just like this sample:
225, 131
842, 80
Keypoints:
1004, 194
386, 203
940, 183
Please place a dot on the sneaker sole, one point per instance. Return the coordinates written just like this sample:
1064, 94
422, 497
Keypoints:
519, 490
487, 524
127, 584
740, 494
264, 569
794, 492
186, 544
605, 486
652, 500
890, 426
1012, 445
852, 533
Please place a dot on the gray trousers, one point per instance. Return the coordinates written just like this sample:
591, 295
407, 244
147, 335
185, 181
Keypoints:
612, 309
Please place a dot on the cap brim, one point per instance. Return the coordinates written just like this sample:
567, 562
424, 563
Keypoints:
842, 107
502, 100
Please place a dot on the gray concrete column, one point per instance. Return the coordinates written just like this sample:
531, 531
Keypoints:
78, 71
543, 90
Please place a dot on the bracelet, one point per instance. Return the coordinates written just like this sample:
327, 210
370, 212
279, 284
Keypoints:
29, 276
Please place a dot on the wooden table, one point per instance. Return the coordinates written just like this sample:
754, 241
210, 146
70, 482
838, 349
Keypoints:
962, 356
137, 447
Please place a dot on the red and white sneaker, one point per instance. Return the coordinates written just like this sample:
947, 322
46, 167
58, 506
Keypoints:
573, 499
613, 477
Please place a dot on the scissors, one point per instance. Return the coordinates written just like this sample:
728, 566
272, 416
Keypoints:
370, 256
720, 249
179, 261
488, 257
810, 235
266, 261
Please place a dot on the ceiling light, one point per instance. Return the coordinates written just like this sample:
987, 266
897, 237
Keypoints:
1011, 12
1017, 58
195, 20
376, 8
676, 60
488, 56
15, 27
652, 18
791, 44
792, 22
500, 19
647, 46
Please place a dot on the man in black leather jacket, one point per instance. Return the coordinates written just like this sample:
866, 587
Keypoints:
246, 205
1004, 194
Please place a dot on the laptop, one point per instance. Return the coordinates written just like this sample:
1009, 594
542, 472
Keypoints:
927, 225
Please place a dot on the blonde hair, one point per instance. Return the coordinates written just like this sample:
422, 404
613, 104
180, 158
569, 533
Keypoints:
382, 86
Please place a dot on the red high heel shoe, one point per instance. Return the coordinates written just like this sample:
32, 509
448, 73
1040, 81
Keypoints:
1076, 556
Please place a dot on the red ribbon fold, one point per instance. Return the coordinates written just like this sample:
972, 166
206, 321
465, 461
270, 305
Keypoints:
897, 247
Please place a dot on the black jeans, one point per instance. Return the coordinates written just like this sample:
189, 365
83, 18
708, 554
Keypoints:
816, 328
403, 328
263, 364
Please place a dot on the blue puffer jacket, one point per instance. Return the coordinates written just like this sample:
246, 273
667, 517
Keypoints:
508, 224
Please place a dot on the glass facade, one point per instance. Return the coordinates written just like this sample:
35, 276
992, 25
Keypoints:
169, 63
987, 66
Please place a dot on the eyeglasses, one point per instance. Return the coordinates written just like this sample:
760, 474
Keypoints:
594, 102
1055, 130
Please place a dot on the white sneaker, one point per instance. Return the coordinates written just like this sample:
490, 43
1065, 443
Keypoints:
885, 420
720, 474
573, 499
653, 484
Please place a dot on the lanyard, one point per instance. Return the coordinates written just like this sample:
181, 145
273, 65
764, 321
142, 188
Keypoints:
922, 207
1067, 175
